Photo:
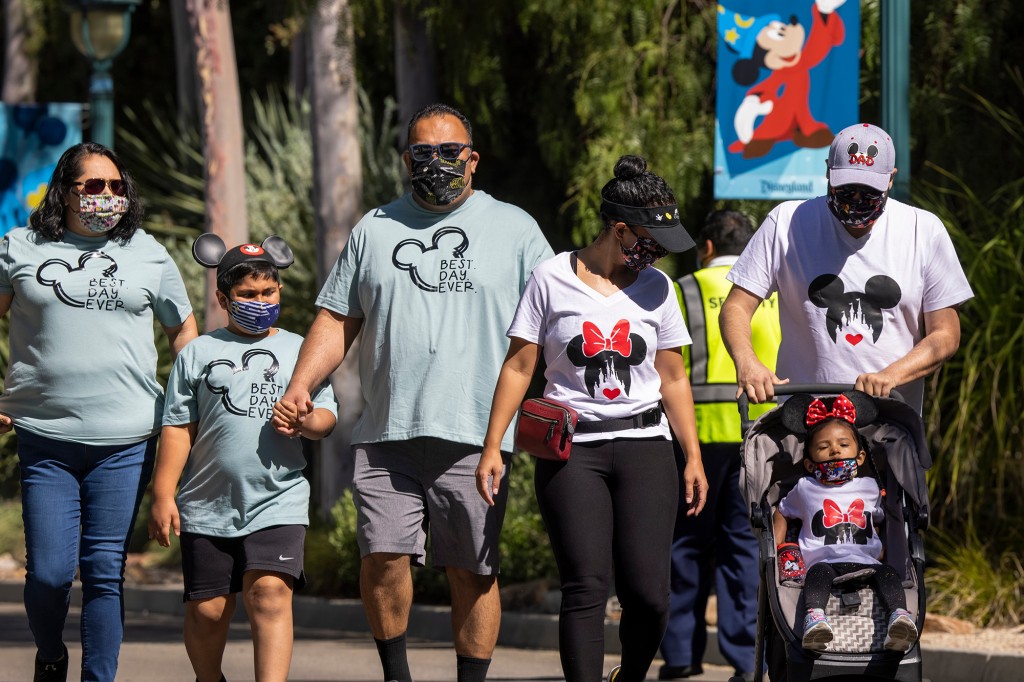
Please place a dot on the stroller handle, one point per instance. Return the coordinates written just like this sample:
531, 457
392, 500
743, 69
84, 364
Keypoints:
743, 402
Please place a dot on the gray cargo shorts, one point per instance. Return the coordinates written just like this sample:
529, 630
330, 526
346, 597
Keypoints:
404, 490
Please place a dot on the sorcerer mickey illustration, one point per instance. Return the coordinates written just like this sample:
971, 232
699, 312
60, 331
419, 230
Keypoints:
782, 99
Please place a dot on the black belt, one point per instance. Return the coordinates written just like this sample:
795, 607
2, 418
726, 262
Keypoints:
651, 417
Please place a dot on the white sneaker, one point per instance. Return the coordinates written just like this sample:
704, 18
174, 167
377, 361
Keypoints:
902, 632
817, 630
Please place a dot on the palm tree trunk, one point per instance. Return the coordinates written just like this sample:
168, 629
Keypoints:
337, 192
184, 64
21, 69
415, 70
221, 123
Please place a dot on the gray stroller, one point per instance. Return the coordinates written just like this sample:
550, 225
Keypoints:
771, 466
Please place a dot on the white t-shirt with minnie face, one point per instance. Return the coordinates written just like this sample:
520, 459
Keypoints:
600, 349
849, 306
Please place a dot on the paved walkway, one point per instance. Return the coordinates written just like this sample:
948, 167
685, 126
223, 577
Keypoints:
333, 643
153, 652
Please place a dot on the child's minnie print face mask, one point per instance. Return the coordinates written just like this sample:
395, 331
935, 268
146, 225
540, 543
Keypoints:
836, 471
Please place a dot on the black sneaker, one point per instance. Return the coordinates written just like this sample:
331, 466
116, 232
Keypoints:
52, 671
678, 672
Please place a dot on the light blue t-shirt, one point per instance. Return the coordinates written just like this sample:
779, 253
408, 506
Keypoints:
241, 475
83, 359
436, 292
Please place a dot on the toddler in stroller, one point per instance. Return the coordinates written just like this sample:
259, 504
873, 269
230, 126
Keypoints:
839, 515
871, 610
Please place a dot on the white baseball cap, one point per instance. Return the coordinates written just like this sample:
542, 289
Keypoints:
861, 154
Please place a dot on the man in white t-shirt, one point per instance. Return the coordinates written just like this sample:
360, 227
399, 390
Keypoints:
868, 286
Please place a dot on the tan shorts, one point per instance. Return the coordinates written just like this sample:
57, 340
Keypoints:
405, 490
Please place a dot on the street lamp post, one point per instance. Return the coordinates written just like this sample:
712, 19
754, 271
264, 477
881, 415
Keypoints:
100, 30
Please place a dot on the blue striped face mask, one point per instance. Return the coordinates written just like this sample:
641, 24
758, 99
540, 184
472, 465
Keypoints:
254, 317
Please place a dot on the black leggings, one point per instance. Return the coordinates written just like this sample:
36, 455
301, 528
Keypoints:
818, 584
613, 503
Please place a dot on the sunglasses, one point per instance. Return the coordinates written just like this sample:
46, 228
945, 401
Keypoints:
96, 186
449, 151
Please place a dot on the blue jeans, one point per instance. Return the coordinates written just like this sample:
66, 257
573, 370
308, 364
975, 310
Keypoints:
79, 504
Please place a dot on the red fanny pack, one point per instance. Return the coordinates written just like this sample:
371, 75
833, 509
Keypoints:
545, 429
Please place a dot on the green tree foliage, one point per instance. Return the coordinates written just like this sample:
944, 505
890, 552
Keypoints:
558, 91
979, 458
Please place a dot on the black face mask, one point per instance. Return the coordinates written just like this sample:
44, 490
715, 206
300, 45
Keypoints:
437, 181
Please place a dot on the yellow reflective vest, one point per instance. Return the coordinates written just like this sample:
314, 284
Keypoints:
711, 370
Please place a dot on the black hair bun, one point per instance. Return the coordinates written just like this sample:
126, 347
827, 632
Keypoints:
629, 166
794, 410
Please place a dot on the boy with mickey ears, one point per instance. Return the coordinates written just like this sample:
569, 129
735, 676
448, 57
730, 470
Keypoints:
242, 507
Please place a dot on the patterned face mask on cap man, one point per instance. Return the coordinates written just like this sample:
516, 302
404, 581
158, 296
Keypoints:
856, 206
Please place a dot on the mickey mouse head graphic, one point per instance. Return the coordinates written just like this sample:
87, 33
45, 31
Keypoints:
71, 285
221, 375
600, 356
846, 309
865, 157
423, 263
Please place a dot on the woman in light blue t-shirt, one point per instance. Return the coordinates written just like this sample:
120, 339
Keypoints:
83, 285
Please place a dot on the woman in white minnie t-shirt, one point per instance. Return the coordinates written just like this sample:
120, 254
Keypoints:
611, 332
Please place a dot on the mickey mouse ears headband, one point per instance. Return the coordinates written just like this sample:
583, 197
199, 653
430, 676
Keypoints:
661, 221
210, 252
803, 411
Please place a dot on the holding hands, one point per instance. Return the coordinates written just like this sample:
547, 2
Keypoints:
296, 415
291, 411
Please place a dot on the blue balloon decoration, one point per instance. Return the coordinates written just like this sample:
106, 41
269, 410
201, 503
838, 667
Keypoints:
8, 174
26, 115
51, 131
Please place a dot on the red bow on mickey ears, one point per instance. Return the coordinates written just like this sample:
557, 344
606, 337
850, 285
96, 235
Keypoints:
842, 408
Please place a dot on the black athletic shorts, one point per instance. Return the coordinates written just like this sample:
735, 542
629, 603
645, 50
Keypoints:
213, 566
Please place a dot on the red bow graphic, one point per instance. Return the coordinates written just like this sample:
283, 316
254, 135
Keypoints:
594, 341
842, 408
854, 515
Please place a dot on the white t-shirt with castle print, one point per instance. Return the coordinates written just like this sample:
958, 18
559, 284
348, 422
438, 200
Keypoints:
849, 306
600, 349
838, 521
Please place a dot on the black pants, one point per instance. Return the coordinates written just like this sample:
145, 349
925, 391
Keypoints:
612, 504
818, 584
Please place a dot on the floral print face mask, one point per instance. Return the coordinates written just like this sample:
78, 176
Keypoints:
100, 213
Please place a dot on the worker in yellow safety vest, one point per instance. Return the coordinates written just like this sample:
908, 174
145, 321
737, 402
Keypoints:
718, 544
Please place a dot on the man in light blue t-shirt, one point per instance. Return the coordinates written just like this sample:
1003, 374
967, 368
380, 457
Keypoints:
433, 280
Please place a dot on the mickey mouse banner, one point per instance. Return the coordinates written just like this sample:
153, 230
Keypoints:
787, 82
32, 139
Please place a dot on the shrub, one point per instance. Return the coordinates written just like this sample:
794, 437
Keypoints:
975, 581
12, 530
